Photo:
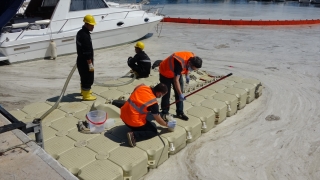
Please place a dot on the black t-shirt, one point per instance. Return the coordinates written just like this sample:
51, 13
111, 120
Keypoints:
177, 68
154, 108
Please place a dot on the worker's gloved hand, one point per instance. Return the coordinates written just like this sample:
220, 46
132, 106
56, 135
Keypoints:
172, 124
181, 97
187, 79
91, 68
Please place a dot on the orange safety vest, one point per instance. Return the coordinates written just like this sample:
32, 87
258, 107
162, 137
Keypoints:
134, 111
166, 68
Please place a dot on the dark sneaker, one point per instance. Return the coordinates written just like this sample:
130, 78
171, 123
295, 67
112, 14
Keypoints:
131, 139
182, 116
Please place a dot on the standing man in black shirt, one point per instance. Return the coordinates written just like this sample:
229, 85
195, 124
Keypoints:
140, 63
85, 58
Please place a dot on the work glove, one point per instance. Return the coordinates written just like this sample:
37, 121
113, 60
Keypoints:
91, 68
172, 124
187, 79
181, 97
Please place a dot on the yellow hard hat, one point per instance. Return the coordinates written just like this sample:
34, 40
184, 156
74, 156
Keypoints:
139, 45
89, 19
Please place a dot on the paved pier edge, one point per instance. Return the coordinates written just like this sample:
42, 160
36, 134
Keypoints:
36, 149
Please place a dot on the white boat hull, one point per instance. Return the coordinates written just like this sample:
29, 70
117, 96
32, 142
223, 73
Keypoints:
67, 44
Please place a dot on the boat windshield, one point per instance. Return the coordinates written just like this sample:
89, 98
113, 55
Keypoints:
42, 9
78, 5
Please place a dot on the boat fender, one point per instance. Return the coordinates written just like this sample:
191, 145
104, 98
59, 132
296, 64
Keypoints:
53, 49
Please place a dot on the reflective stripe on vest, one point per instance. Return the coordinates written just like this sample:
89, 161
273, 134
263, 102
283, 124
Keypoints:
171, 62
140, 110
145, 60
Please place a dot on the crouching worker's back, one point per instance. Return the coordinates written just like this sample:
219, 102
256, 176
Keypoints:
134, 112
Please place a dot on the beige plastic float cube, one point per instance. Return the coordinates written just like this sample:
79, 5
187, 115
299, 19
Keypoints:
186, 105
226, 83
249, 88
240, 94
77, 158
207, 117
194, 98
99, 89
217, 87
156, 149
58, 145
137, 82
219, 108
205, 93
101, 170
236, 79
127, 89
176, 139
230, 100
103, 144
73, 107
112, 94
257, 84
133, 161
153, 79
36, 108
192, 127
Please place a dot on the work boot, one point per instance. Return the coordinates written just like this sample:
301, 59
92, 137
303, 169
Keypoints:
183, 116
87, 96
90, 91
131, 139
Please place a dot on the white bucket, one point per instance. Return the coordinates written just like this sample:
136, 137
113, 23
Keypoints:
96, 120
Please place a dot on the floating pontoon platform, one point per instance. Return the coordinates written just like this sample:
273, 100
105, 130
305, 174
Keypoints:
107, 155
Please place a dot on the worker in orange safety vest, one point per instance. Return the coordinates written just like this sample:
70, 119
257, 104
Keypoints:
134, 112
171, 70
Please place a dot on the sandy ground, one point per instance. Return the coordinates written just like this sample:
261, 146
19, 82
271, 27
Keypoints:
245, 146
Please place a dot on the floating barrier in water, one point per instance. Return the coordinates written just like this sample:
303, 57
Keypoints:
241, 22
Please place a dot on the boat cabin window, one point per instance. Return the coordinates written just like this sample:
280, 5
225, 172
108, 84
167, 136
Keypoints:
79, 5
42, 9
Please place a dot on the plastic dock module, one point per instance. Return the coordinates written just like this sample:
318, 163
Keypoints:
100, 169
226, 83
195, 98
217, 87
207, 117
99, 89
230, 100
240, 94
153, 79
192, 127
176, 139
206, 93
219, 107
127, 89
137, 82
186, 105
133, 161
157, 152
112, 94
112, 113
257, 84
76, 158
236, 79
72, 108
249, 88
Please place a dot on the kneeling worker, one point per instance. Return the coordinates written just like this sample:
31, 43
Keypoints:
140, 63
134, 112
171, 70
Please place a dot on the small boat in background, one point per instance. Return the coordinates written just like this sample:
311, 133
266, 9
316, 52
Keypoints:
45, 21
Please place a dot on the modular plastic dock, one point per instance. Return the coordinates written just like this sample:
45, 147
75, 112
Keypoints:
107, 155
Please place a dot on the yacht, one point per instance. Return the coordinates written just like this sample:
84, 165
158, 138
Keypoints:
48, 27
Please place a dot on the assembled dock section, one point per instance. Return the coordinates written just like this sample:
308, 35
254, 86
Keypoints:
107, 155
